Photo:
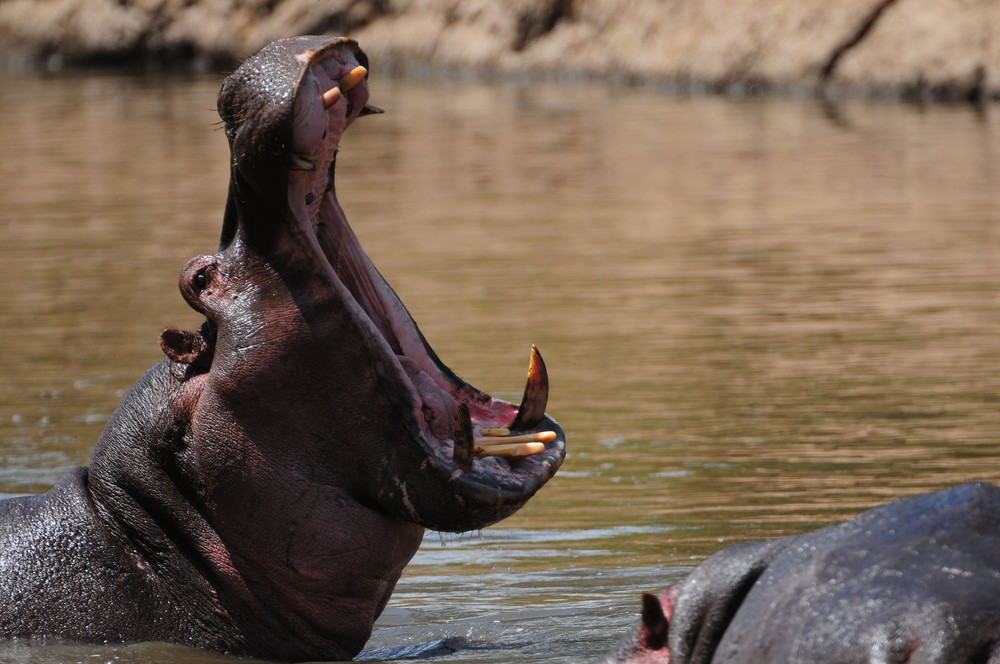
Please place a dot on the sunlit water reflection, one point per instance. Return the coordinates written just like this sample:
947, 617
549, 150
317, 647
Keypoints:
758, 316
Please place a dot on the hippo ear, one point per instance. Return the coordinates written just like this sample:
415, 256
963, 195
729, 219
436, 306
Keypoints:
190, 348
655, 625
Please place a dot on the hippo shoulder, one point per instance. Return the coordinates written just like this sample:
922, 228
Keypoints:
26, 522
44, 545
54, 547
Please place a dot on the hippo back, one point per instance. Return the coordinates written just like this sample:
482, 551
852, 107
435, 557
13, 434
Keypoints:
917, 580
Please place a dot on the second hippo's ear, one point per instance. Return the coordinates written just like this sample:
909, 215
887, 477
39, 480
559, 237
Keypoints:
190, 348
655, 626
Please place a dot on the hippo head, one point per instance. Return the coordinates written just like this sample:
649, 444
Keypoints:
316, 365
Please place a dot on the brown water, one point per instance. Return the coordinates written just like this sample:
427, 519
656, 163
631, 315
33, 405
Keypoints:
758, 316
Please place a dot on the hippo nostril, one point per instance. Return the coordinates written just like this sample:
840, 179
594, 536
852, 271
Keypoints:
196, 279
202, 280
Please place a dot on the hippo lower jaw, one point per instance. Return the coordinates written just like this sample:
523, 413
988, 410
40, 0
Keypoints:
444, 472
456, 429
450, 415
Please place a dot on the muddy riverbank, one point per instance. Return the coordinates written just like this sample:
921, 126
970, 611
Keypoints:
922, 49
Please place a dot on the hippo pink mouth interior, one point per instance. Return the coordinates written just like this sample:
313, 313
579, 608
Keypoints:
464, 431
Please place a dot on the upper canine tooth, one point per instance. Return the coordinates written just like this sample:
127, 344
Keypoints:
536, 395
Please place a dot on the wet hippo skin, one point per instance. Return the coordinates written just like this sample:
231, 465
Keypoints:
913, 581
259, 491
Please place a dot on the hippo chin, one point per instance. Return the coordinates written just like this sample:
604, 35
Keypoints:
260, 490
916, 580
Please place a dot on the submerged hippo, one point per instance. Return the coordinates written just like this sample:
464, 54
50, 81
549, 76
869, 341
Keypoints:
260, 490
913, 581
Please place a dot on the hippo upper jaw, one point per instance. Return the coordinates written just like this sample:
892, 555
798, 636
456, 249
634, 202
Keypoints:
422, 426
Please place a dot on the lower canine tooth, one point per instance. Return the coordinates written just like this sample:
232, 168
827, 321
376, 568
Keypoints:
462, 433
536, 395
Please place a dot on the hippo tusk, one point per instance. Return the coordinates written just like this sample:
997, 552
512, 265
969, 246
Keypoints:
464, 447
536, 394
493, 442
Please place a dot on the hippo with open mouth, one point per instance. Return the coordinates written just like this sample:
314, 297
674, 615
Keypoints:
912, 581
259, 491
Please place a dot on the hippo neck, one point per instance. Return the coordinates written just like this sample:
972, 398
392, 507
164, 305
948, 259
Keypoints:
147, 485
141, 484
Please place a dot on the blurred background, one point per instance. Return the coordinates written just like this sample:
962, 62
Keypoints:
758, 248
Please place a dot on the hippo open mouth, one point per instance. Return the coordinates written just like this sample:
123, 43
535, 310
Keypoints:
451, 457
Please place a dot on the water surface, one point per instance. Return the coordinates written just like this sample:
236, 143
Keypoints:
759, 316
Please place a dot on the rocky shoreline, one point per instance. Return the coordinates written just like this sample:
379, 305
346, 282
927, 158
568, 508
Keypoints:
909, 49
